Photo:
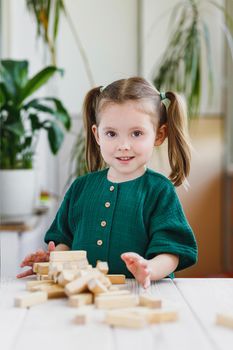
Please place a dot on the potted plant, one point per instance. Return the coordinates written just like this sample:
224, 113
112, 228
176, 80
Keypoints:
189, 46
21, 120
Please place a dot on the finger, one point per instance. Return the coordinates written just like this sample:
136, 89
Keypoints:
27, 263
130, 255
29, 257
25, 273
40, 252
40, 258
146, 283
51, 246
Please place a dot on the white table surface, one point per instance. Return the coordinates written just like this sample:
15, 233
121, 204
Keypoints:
50, 325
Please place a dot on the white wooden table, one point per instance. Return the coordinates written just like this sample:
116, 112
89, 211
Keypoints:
50, 326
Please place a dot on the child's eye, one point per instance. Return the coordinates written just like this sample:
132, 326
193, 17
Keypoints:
137, 133
111, 133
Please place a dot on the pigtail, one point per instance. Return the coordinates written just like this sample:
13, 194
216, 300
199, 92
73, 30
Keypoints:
94, 160
178, 140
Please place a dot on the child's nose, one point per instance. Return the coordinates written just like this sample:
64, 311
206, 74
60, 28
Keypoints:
124, 145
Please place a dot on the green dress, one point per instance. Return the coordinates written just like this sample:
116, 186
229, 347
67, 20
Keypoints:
106, 219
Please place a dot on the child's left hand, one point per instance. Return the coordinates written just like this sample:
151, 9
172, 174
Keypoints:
139, 267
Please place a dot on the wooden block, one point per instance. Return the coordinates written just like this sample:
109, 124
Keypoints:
116, 301
66, 276
44, 277
105, 280
125, 319
31, 284
95, 286
80, 284
34, 267
42, 268
110, 293
149, 301
53, 291
70, 255
113, 288
75, 265
81, 319
31, 299
80, 299
225, 319
158, 315
102, 266
56, 266
116, 279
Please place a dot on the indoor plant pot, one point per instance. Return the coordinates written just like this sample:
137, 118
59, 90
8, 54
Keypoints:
20, 123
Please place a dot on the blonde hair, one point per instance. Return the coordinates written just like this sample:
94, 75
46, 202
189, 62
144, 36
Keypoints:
138, 89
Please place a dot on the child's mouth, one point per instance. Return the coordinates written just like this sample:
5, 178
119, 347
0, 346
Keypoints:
124, 159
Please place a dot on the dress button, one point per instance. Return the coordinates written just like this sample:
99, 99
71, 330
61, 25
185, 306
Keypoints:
111, 188
107, 204
99, 242
103, 223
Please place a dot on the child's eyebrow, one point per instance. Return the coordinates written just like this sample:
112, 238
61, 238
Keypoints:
109, 127
133, 128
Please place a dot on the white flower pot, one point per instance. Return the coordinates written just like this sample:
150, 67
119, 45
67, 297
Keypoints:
17, 192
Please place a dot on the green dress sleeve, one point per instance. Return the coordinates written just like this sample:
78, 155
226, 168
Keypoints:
59, 231
169, 230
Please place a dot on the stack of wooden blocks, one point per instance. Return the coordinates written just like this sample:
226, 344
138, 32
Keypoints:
68, 274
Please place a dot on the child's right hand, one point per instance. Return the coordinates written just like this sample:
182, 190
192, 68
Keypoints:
39, 256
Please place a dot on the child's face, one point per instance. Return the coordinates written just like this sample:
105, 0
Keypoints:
126, 136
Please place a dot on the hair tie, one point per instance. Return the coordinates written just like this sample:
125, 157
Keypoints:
102, 88
162, 95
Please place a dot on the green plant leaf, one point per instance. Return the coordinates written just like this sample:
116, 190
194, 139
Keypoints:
37, 81
55, 137
15, 128
35, 122
2, 95
61, 112
14, 74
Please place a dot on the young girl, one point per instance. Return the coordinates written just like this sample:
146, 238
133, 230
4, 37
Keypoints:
125, 213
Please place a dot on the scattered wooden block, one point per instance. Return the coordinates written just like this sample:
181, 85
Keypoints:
96, 287
150, 301
53, 290
42, 268
81, 319
116, 279
66, 276
75, 265
70, 255
110, 293
225, 319
102, 266
125, 319
105, 280
31, 284
157, 315
34, 267
80, 299
116, 301
31, 299
44, 277
80, 284
113, 288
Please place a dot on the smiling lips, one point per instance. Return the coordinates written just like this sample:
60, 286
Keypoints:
124, 159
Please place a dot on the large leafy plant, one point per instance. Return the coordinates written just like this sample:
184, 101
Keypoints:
190, 44
21, 118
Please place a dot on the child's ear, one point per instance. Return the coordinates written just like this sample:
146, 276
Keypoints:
161, 135
95, 132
